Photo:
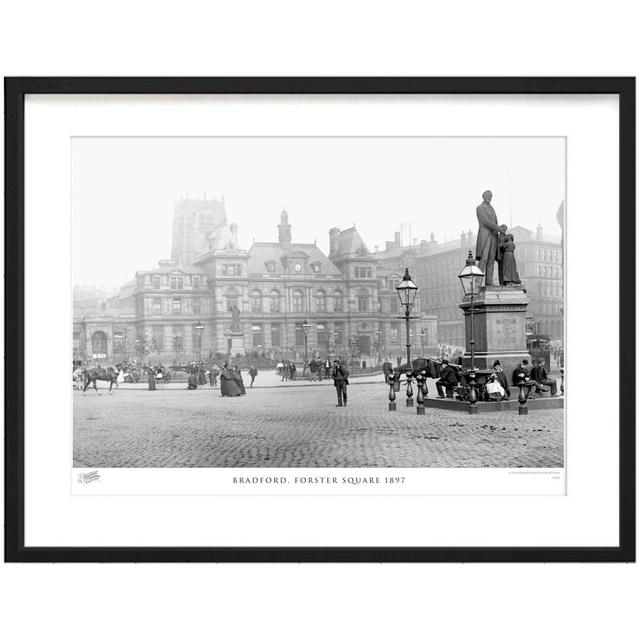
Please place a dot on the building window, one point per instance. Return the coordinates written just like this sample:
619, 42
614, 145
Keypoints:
299, 335
256, 332
256, 302
176, 306
156, 282
196, 306
363, 303
156, 306
232, 299
274, 302
316, 267
231, 270
271, 266
196, 282
298, 301
338, 301
174, 282
147, 280
275, 335
321, 301
321, 335
393, 305
99, 344
339, 332
158, 335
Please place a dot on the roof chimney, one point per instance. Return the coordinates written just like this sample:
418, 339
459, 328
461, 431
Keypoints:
396, 239
539, 232
334, 232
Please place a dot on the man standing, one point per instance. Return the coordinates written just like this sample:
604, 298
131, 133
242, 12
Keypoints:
539, 374
487, 243
340, 377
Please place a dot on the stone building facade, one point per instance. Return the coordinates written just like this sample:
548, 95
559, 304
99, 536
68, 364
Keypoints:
183, 309
435, 267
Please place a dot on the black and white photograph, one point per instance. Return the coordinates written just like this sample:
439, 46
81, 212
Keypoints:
318, 302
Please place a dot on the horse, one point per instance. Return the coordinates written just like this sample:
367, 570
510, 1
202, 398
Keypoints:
108, 374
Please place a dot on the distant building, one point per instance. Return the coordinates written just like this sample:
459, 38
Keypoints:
348, 298
435, 267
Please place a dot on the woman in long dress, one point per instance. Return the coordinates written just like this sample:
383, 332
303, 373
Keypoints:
509, 268
151, 377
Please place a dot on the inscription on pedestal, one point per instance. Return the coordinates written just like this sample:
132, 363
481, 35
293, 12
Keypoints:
507, 333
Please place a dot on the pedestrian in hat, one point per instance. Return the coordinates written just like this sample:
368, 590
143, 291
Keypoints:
340, 376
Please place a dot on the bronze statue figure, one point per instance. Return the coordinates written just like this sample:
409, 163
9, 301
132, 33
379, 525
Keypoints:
488, 231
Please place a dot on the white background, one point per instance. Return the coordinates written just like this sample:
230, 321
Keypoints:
488, 38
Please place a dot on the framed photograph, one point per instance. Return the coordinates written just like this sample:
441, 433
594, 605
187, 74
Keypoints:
320, 319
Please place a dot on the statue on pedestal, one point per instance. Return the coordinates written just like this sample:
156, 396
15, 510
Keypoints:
487, 244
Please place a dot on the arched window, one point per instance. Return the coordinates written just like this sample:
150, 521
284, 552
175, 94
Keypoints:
321, 301
274, 302
298, 300
338, 301
256, 302
99, 344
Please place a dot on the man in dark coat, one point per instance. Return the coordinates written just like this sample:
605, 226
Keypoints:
539, 374
488, 232
532, 385
253, 372
448, 380
340, 377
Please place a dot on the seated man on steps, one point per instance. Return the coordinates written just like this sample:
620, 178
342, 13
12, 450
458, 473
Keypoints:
532, 385
448, 380
540, 375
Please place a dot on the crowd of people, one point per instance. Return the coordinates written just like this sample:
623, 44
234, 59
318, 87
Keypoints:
535, 378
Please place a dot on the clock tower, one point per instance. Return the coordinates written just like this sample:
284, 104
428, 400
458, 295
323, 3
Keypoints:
284, 230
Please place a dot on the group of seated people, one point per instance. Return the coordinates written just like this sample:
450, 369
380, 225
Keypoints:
536, 379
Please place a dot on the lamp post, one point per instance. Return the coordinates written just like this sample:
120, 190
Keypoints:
199, 330
471, 280
379, 344
407, 293
305, 327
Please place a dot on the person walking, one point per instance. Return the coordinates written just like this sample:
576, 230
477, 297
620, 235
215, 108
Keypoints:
253, 372
340, 377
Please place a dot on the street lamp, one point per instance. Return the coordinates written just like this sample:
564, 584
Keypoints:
199, 330
379, 344
407, 293
471, 280
305, 327
140, 350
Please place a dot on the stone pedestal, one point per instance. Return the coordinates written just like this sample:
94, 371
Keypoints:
498, 327
234, 342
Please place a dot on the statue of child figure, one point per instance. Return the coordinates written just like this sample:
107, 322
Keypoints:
507, 268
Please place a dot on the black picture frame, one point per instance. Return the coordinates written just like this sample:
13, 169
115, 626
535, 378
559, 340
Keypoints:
15, 91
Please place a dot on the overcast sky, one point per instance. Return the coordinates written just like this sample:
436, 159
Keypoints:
124, 190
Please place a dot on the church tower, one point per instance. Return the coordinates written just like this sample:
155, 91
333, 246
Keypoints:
194, 221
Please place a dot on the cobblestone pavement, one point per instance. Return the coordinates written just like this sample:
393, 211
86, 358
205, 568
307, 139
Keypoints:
301, 427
